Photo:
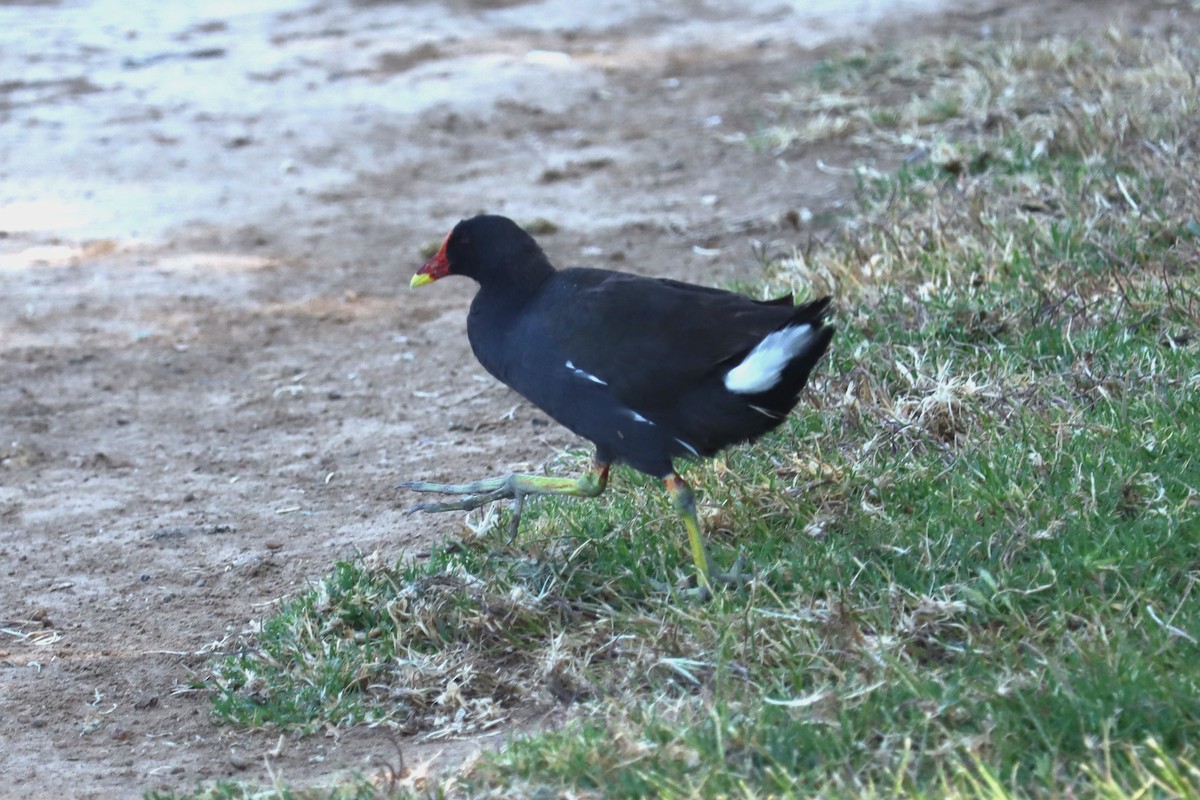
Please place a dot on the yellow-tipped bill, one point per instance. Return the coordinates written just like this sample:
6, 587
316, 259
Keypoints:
436, 267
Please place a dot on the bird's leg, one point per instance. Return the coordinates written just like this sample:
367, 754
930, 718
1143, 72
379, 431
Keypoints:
685, 506
511, 487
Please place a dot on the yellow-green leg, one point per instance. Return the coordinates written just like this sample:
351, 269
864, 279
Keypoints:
510, 487
685, 506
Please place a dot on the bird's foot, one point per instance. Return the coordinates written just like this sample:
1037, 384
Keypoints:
737, 577
510, 487
478, 493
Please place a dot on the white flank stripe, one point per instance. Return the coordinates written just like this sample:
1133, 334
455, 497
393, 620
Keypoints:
760, 371
638, 417
581, 373
694, 451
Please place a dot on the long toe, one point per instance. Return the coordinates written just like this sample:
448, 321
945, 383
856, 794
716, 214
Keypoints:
737, 576
466, 504
474, 487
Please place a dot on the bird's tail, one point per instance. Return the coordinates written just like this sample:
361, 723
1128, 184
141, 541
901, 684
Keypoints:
772, 374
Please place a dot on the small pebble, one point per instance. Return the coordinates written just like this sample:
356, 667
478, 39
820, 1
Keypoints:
238, 759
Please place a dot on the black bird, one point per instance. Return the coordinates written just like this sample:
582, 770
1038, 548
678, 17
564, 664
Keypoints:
649, 370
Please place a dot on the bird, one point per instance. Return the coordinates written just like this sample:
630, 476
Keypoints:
650, 370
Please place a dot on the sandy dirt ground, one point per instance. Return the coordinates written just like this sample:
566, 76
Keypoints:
212, 372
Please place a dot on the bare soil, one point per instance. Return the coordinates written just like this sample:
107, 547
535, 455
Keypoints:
212, 372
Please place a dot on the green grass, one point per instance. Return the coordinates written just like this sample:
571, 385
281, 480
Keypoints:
230, 790
977, 554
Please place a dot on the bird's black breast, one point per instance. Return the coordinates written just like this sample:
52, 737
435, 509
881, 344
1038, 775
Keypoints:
529, 352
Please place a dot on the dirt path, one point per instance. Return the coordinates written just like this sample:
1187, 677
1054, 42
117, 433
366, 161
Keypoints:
211, 370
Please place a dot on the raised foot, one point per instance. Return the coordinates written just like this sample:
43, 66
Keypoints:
510, 487
478, 493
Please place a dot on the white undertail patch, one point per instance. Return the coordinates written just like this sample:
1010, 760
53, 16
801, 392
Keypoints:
760, 370
638, 417
584, 374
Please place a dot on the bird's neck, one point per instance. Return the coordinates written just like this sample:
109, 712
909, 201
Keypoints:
513, 288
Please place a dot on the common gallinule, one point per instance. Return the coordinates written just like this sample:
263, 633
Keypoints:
647, 369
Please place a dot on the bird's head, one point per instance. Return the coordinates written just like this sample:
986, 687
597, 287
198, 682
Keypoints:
491, 249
